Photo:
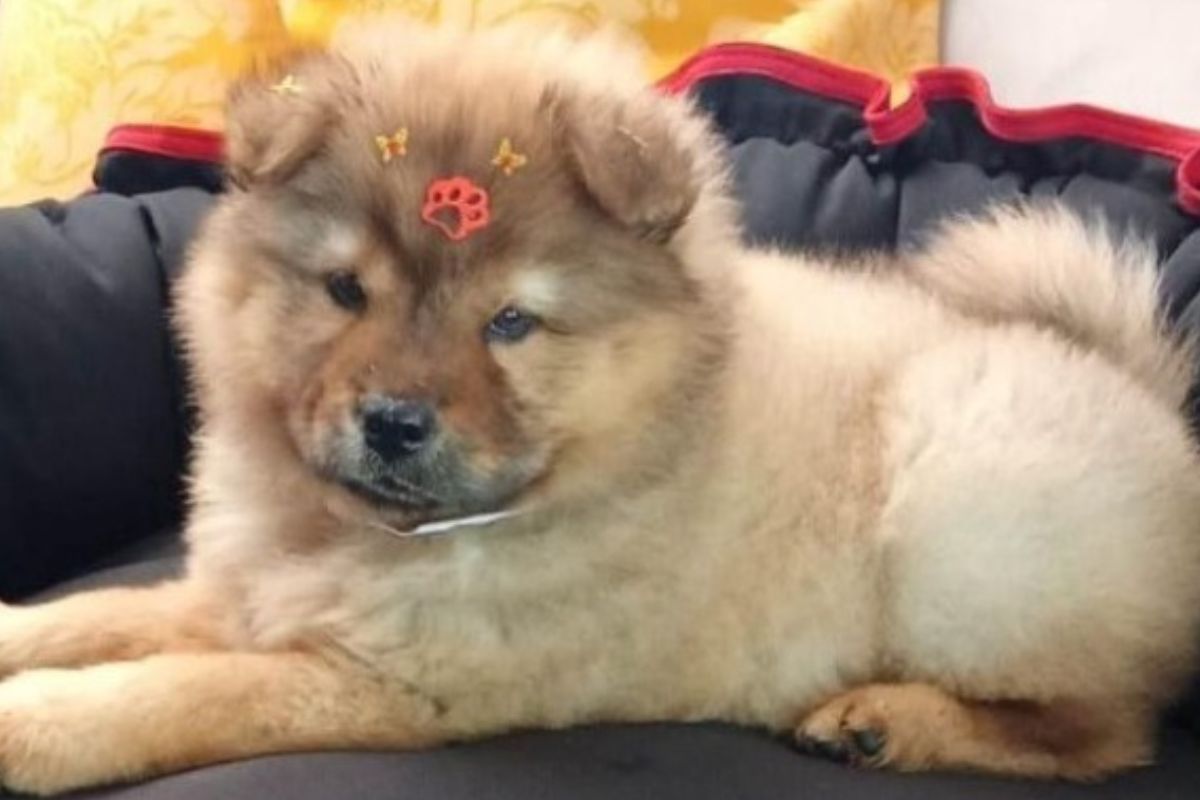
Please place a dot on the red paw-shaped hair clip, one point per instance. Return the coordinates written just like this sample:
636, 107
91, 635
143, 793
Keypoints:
456, 207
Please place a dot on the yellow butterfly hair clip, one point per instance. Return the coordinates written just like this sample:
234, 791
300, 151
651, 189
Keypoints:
288, 86
508, 160
394, 146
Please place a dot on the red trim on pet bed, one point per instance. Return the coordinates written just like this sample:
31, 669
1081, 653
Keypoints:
193, 144
888, 125
787, 66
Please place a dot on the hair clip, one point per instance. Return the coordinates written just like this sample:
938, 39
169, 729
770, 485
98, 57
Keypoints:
288, 86
508, 160
394, 146
456, 206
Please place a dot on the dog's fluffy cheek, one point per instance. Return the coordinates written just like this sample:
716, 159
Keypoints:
597, 391
276, 370
535, 372
618, 381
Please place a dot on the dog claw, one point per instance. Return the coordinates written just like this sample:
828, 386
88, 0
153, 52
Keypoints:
829, 750
834, 751
858, 746
868, 742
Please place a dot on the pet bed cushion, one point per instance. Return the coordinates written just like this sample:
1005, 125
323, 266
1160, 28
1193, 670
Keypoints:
822, 160
91, 403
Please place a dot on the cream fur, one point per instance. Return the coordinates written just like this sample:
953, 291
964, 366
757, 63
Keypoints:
972, 478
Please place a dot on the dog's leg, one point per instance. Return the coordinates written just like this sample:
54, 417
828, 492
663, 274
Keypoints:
63, 729
105, 625
918, 726
1030, 557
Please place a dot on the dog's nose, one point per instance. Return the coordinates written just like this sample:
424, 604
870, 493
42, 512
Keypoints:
397, 427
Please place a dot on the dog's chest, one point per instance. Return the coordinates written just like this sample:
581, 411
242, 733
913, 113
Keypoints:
501, 625
687, 617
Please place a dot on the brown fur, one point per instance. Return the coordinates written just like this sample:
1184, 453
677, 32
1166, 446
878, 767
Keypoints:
750, 487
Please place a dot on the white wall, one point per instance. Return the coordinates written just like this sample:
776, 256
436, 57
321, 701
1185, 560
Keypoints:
1139, 56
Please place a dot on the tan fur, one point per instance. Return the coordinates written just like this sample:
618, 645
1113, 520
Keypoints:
918, 726
950, 508
107, 625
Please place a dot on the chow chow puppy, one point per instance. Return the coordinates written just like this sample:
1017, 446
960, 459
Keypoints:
502, 428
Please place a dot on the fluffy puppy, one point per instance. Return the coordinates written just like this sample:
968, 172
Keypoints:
941, 515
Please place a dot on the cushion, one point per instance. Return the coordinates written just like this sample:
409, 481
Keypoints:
92, 432
143, 158
823, 160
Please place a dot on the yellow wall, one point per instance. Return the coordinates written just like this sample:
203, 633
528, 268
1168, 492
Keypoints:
71, 69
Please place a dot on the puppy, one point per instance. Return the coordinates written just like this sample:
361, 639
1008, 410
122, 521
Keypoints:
503, 428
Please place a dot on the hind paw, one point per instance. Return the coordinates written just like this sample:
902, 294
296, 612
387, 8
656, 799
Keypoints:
853, 728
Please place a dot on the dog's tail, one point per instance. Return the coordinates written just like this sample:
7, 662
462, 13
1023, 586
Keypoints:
1044, 265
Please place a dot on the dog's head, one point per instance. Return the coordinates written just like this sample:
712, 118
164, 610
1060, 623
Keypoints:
453, 270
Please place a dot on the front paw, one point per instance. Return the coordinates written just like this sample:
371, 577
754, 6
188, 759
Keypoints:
46, 747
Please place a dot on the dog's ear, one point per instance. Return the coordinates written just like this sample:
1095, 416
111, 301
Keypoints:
633, 156
276, 118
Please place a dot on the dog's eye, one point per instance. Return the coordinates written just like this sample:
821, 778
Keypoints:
510, 325
345, 290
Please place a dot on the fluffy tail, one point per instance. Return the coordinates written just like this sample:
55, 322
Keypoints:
1044, 265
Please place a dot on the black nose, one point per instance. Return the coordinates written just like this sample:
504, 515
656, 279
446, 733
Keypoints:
395, 427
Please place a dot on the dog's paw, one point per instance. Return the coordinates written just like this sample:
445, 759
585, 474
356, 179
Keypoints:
846, 730
42, 749
876, 726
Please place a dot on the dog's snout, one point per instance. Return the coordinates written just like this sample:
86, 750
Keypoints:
397, 427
